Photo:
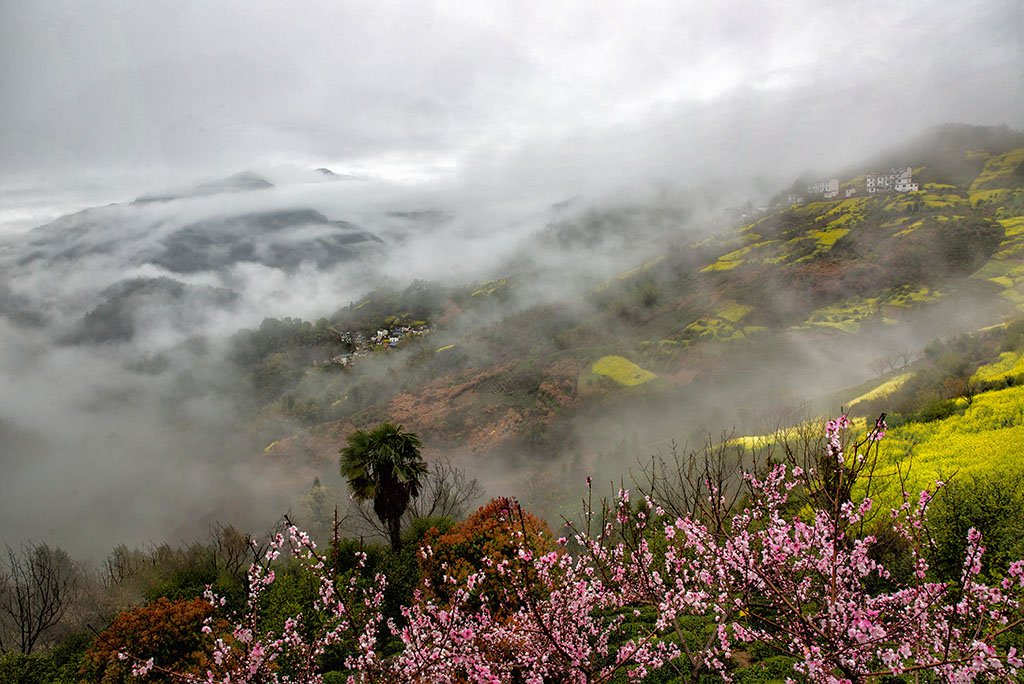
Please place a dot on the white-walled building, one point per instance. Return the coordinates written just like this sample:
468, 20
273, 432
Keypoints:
900, 181
904, 181
829, 189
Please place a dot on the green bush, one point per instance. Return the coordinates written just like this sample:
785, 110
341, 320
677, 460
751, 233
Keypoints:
184, 584
993, 505
58, 665
773, 670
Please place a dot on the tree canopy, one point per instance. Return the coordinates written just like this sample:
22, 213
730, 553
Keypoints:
384, 466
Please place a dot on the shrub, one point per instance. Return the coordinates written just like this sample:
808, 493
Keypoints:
477, 545
993, 505
169, 632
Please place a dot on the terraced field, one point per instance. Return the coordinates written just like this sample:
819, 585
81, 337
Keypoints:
622, 371
984, 437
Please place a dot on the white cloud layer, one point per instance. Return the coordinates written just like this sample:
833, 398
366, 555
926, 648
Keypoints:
165, 89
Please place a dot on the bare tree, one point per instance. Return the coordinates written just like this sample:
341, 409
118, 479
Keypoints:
121, 565
231, 550
879, 365
446, 491
830, 473
705, 484
37, 587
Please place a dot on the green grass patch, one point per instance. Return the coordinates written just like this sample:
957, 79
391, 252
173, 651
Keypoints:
712, 328
1002, 272
826, 238
1013, 226
1010, 249
846, 316
910, 297
721, 265
622, 371
995, 268
986, 437
989, 196
490, 287
736, 257
1014, 297
756, 442
943, 201
910, 229
812, 208
852, 205
883, 390
996, 167
798, 248
1009, 363
735, 311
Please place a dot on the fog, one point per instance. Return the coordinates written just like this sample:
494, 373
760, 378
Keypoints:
456, 137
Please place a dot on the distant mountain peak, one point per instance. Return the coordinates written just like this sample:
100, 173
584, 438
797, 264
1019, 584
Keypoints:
239, 182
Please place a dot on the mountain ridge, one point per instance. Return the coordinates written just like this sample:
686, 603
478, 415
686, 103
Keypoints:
883, 271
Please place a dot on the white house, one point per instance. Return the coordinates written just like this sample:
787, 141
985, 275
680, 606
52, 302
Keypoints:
829, 189
900, 181
904, 181
878, 182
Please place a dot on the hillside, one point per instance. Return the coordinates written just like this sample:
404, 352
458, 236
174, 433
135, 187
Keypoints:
905, 302
595, 333
740, 329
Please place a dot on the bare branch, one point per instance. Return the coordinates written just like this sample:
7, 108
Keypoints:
39, 585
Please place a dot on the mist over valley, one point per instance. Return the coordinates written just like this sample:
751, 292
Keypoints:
206, 352
579, 227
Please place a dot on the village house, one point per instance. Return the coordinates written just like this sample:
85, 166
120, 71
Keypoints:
381, 340
894, 180
829, 189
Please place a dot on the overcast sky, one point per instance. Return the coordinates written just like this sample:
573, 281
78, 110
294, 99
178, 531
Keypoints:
122, 92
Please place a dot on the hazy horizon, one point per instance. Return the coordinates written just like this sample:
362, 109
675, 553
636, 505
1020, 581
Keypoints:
104, 101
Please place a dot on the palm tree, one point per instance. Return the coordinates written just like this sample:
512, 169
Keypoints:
384, 465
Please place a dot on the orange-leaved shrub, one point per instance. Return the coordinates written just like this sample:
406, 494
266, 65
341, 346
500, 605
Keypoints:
494, 534
169, 632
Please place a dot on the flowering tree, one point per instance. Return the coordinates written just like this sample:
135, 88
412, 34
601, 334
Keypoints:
805, 585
